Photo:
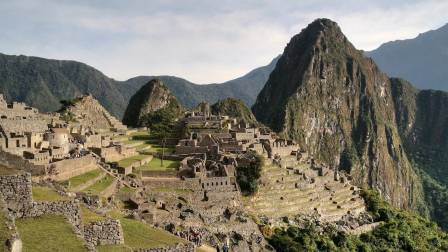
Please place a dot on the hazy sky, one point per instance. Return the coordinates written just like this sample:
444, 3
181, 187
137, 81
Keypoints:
202, 41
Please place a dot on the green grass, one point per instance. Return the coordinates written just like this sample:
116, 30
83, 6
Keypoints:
155, 165
140, 135
158, 148
130, 160
5, 233
126, 189
139, 235
83, 178
48, 233
100, 185
89, 216
42, 193
142, 146
114, 248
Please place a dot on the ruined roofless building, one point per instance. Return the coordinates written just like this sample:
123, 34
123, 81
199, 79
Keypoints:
22, 127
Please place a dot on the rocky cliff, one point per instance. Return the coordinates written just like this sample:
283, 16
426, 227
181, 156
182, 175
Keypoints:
422, 118
338, 105
153, 96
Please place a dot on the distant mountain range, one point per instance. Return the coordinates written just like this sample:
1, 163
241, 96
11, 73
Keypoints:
43, 83
422, 60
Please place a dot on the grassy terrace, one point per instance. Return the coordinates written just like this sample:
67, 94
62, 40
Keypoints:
100, 185
43, 193
127, 190
89, 216
83, 178
155, 165
158, 148
5, 233
138, 235
130, 160
48, 233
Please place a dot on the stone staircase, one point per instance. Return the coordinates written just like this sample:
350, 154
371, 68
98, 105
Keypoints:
287, 193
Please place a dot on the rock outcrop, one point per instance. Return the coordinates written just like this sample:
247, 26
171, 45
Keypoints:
234, 108
338, 106
152, 97
87, 112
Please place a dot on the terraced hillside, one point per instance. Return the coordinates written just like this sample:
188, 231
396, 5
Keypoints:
286, 192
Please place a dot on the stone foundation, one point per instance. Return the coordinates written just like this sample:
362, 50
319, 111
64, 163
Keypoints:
69, 209
181, 247
104, 232
16, 190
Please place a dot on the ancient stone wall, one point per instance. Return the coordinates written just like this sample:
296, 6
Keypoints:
180, 247
104, 232
12, 160
156, 174
67, 168
16, 190
69, 209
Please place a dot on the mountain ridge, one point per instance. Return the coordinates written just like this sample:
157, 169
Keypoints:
42, 83
420, 60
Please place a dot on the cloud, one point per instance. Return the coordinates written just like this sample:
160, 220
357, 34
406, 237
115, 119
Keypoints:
203, 41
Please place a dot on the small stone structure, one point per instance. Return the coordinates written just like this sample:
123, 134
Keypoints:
104, 232
180, 247
16, 191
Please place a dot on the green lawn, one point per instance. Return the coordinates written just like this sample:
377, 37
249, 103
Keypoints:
43, 193
142, 146
138, 235
126, 189
158, 148
5, 233
89, 216
114, 248
140, 135
130, 160
100, 185
48, 233
155, 165
83, 178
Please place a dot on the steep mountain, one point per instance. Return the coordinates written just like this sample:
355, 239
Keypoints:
152, 97
338, 106
422, 118
421, 60
42, 83
234, 108
245, 88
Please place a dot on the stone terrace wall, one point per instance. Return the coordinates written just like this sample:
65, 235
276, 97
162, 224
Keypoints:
68, 168
180, 247
70, 209
159, 174
12, 160
16, 190
104, 232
